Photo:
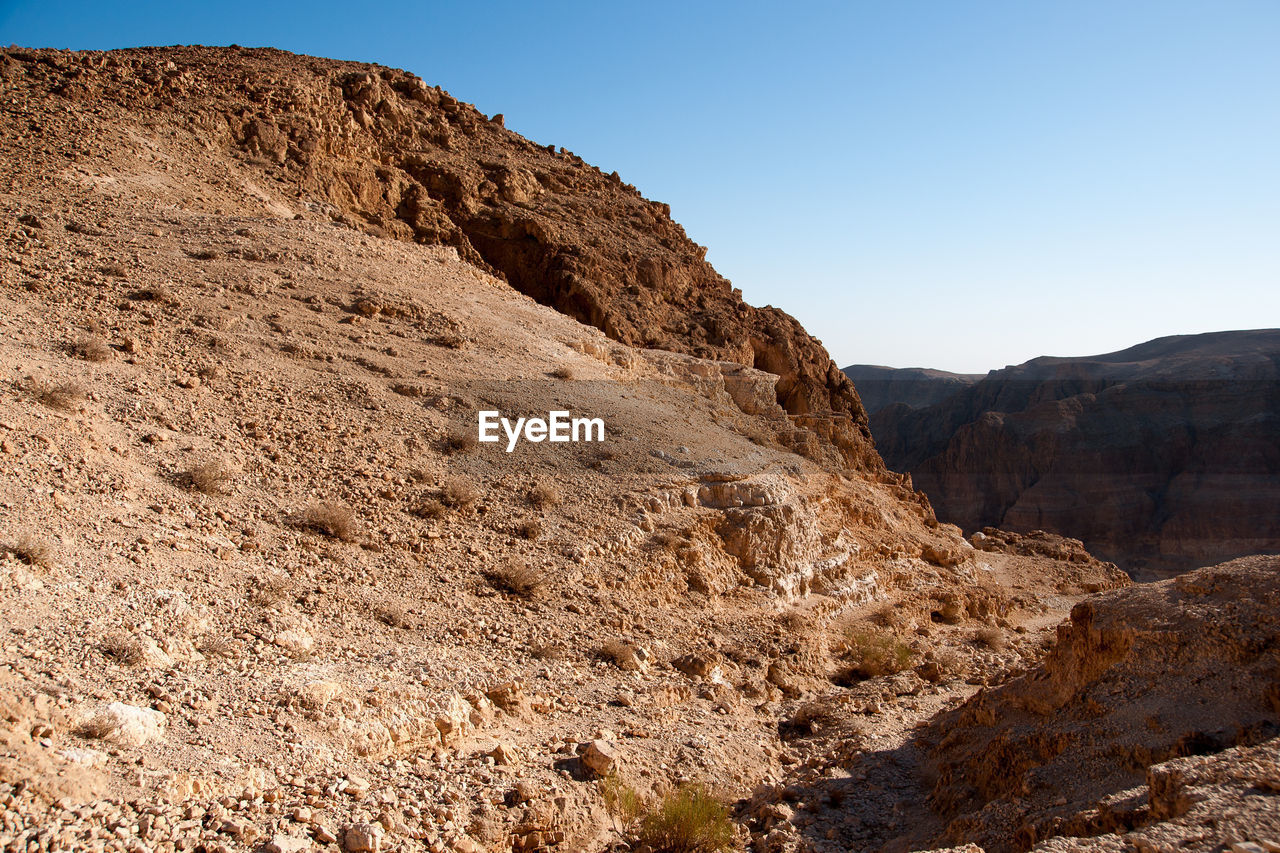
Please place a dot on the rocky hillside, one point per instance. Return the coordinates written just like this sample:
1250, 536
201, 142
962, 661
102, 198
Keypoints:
1161, 457
263, 590
380, 150
915, 387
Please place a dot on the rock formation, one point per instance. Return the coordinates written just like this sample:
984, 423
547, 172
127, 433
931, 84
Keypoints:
1161, 457
916, 387
379, 149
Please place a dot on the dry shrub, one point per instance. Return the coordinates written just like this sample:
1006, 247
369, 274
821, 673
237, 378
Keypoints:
393, 614
547, 651
873, 653
216, 646
686, 820
213, 477
544, 495
205, 254
114, 270
269, 590
93, 348
96, 727
809, 718
516, 577
123, 648
620, 799
459, 493
564, 371
991, 637
529, 528
459, 440
332, 519
429, 508
32, 550
158, 292
617, 652
60, 395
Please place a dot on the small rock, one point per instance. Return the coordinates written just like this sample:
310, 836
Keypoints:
599, 756
362, 838
282, 843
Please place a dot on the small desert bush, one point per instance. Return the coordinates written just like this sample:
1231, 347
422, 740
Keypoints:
96, 727
874, 653
393, 614
332, 519
216, 645
459, 493
114, 270
213, 477
93, 348
32, 550
529, 528
458, 440
686, 820
60, 395
269, 590
429, 508
620, 799
516, 577
616, 652
564, 371
991, 637
544, 495
158, 292
122, 648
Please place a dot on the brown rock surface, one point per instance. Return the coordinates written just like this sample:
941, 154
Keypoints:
379, 149
1161, 457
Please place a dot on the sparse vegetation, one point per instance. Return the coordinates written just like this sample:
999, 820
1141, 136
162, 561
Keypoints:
872, 653
991, 637
459, 440
459, 493
32, 550
93, 348
516, 577
216, 645
529, 528
564, 371
114, 270
269, 590
429, 508
123, 648
213, 477
158, 292
544, 495
60, 395
393, 614
332, 519
685, 820
617, 652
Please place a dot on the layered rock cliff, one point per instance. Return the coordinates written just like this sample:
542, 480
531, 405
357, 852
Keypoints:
1164, 456
383, 151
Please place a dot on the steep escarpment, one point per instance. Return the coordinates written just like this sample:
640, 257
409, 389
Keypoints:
1161, 457
381, 150
916, 387
1074, 747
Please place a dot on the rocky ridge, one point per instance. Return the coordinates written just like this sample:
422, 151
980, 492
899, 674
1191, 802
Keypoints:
261, 591
1161, 457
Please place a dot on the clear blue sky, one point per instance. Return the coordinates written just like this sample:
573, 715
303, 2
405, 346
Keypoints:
950, 184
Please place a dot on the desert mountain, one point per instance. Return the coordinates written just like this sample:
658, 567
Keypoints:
262, 589
1161, 457
916, 387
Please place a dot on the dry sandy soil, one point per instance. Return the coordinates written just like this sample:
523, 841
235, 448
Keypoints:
262, 591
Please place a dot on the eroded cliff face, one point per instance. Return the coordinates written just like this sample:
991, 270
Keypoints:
1162, 457
1071, 748
381, 150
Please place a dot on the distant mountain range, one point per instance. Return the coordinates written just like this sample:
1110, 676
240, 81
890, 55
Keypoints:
1161, 457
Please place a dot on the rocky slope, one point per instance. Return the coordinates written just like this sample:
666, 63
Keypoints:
262, 591
379, 149
1161, 457
915, 387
